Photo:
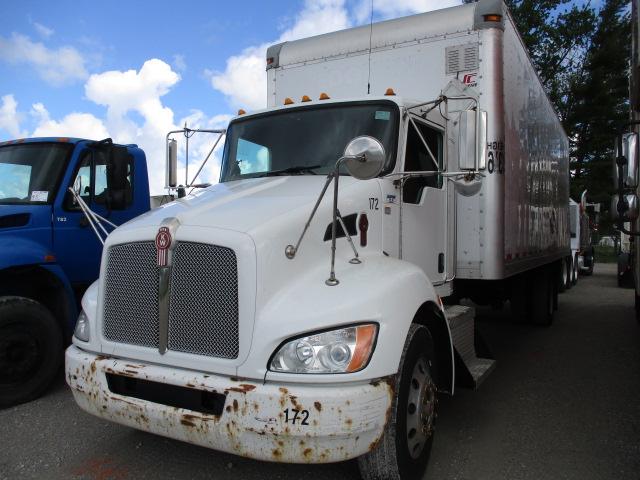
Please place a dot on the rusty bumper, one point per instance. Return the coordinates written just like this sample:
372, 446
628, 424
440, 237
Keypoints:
296, 423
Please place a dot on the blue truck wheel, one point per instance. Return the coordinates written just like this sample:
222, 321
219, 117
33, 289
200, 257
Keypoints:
30, 350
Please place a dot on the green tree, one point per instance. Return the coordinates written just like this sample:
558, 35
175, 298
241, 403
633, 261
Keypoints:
582, 59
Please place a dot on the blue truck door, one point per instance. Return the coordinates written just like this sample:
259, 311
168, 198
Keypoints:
76, 246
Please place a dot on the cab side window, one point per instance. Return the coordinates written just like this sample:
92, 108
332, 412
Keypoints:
418, 159
91, 180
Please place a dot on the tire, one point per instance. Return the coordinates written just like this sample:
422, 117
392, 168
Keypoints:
403, 451
31, 349
541, 295
590, 260
564, 276
569, 265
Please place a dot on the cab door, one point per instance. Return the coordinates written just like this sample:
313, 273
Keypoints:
77, 247
424, 201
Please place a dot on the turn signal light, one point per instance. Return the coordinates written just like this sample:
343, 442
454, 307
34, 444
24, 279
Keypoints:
324, 96
288, 101
365, 336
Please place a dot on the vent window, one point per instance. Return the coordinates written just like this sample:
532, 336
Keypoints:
461, 58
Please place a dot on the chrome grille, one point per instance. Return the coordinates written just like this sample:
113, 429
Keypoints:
203, 316
131, 294
203, 307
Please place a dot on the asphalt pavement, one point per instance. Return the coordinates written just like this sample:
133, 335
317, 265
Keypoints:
563, 403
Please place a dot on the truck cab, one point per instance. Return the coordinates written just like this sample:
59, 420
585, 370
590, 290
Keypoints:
306, 308
49, 253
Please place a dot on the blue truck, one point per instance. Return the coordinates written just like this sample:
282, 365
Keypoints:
49, 254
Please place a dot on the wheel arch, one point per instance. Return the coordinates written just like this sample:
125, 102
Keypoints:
433, 318
46, 285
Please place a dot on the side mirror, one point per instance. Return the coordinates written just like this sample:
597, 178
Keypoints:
364, 157
472, 141
630, 207
171, 172
629, 142
118, 184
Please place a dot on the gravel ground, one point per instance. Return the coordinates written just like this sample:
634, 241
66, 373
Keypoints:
563, 403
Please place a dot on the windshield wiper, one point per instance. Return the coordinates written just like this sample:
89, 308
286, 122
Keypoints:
299, 169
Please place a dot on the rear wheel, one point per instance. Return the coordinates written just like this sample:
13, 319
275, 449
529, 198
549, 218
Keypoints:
541, 299
30, 350
404, 449
564, 276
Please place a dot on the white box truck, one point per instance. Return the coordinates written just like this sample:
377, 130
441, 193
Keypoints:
306, 308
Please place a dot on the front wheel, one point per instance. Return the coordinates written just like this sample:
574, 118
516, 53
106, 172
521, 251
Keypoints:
30, 350
403, 451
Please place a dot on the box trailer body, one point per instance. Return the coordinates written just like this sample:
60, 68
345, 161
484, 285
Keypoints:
258, 318
519, 220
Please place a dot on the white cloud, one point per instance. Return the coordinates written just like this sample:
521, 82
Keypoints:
43, 30
56, 66
179, 62
82, 125
398, 8
10, 117
140, 91
244, 80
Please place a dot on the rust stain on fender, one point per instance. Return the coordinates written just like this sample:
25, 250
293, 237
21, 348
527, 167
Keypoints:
318, 406
242, 388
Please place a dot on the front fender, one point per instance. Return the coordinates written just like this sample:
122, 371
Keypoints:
17, 251
382, 289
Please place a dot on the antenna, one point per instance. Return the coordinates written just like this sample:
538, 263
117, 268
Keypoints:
370, 35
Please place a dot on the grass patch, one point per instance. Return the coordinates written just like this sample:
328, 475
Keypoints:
605, 254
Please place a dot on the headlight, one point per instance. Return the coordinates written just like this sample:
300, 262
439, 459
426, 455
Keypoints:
82, 327
344, 350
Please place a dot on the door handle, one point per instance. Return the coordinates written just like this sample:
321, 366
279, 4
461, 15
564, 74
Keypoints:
441, 263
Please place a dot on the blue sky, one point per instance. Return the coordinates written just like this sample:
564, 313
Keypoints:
137, 69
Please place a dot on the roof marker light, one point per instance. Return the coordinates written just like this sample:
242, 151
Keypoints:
241, 112
492, 17
389, 92
305, 98
288, 101
324, 96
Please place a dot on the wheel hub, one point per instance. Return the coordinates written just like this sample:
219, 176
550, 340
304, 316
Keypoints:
421, 406
19, 356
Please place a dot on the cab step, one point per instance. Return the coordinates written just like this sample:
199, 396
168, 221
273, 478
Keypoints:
471, 370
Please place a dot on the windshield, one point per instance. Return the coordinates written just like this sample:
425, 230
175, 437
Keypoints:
306, 140
29, 172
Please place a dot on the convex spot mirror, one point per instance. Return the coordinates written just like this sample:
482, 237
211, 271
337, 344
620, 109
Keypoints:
630, 207
364, 157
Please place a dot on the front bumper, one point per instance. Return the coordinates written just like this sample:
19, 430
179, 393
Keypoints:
256, 421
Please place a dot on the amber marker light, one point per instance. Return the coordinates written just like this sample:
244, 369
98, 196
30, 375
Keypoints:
365, 338
324, 96
389, 92
288, 101
305, 98
492, 17
241, 112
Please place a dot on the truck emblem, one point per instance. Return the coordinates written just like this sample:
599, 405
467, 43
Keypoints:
163, 242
